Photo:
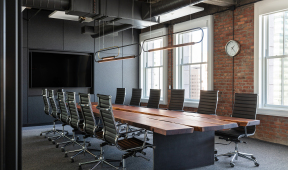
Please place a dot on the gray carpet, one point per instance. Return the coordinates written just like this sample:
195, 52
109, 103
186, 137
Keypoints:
39, 154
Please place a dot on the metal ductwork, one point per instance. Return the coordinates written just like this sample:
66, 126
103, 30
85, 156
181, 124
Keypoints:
165, 6
109, 30
60, 5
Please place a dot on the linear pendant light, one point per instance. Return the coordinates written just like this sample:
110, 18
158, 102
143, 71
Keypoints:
173, 46
115, 58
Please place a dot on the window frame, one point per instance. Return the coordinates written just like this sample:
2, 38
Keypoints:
260, 9
265, 57
142, 61
207, 22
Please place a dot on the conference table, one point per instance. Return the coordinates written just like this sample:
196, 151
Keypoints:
182, 140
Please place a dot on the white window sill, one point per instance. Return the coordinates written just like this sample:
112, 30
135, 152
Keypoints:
191, 104
282, 112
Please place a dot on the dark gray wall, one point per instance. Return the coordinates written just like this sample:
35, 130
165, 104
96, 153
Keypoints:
61, 35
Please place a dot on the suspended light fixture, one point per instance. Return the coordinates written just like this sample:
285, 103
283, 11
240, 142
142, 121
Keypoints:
116, 58
172, 46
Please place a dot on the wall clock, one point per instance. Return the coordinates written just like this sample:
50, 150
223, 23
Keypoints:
232, 48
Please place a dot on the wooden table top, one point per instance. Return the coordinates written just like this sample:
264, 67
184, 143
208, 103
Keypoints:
168, 122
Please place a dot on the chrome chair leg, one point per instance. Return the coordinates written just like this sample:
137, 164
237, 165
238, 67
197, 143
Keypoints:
74, 140
237, 154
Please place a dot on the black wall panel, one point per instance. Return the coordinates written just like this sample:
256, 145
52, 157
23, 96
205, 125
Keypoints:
36, 113
45, 33
61, 35
74, 40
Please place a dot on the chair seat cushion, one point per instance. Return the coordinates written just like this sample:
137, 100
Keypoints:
130, 143
99, 134
232, 133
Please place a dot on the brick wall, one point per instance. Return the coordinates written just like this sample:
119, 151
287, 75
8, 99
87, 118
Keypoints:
272, 128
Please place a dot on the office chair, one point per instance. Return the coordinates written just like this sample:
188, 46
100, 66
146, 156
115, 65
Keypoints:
245, 107
208, 102
56, 114
47, 111
113, 137
120, 96
154, 98
136, 97
177, 100
75, 122
90, 126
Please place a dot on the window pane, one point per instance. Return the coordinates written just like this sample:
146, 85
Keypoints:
275, 41
197, 48
205, 45
204, 77
155, 58
154, 80
286, 33
274, 81
187, 58
191, 81
285, 81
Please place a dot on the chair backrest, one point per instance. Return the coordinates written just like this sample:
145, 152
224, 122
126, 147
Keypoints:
72, 106
64, 113
208, 102
107, 116
245, 106
120, 96
154, 98
90, 125
53, 104
136, 97
46, 101
177, 99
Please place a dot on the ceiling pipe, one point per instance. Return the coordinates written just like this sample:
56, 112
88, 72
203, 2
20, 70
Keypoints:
59, 5
165, 6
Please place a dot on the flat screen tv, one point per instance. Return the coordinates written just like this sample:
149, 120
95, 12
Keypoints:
52, 69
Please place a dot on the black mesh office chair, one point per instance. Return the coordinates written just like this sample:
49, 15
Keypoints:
177, 100
120, 96
113, 137
47, 111
154, 98
136, 97
56, 114
90, 126
245, 107
208, 102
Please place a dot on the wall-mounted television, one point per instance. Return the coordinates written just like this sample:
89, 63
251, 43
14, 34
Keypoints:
59, 69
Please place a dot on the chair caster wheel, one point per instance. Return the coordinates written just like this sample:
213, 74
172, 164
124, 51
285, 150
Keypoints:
147, 139
121, 164
66, 155
57, 145
53, 142
253, 157
49, 139
232, 164
72, 160
40, 134
216, 159
257, 164
89, 144
229, 156
62, 149
45, 136
77, 138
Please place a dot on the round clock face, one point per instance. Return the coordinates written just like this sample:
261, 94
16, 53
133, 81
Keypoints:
232, 48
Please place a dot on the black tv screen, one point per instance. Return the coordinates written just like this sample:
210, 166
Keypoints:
49, 69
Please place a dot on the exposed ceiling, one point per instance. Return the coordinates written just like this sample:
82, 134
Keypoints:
125, 14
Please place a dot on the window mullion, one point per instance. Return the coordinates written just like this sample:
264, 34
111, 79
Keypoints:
282, 81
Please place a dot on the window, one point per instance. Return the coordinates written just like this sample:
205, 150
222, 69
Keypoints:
275, 59
193, 65
153, 65
192, 70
